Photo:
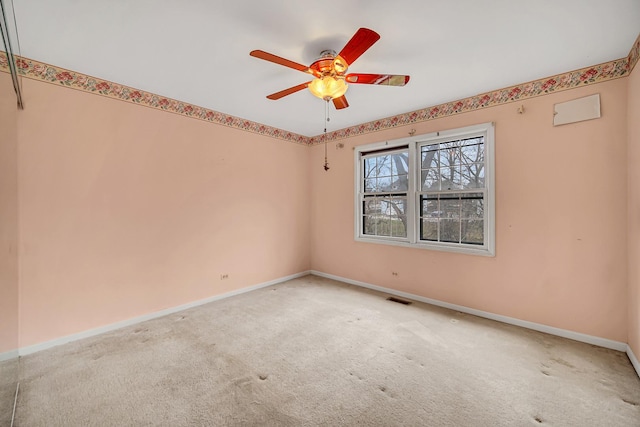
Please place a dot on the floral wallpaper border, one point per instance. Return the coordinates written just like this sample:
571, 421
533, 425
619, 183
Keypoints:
35, 70
598, 73
573, 79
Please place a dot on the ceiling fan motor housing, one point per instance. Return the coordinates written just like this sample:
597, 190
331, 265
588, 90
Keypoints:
329, 64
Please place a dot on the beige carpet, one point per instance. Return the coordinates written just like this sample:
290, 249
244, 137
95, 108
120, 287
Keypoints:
314, 352
8, 380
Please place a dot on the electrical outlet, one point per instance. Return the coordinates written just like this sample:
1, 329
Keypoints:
224, 276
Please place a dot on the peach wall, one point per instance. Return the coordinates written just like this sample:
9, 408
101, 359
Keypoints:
633, 113
8, 216
126, 210
561, 254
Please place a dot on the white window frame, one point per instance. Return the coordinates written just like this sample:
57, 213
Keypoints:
413, 194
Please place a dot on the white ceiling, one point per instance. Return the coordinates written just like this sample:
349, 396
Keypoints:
197, 51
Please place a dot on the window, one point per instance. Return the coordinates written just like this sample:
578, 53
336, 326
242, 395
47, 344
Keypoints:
432, 191
386, 186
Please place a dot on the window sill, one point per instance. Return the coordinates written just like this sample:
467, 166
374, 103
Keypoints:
440, 247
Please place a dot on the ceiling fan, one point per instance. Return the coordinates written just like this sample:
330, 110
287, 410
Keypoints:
331, 80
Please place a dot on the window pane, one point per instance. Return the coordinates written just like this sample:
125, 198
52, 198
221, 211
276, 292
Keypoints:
383, 165
369, 173
473, 175
450, 207
472, 151
429, 229
368, 225
400, 183
393, 160
398, 227
383, 226
384, 207
371, 206
429, 168
377, 225
429, 156
369, 185
383, 184
399, 163
398, 216
473, 231
430, 179
369, 166
399, 205
450, 178
447, 158
429, 207
472, 208
449, 154
450, 230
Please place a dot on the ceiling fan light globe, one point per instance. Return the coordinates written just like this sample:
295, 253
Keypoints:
328, 87
339, 65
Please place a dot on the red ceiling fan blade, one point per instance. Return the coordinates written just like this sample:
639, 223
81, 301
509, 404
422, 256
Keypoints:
281, 61
362, 40
340, 102
289, 91
377, 79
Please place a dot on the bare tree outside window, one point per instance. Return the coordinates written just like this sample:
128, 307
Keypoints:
386, 184
448, 212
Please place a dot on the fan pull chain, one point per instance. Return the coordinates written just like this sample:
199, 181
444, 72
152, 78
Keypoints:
326, 120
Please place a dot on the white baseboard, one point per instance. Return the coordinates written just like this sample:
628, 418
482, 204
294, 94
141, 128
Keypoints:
602, 342
633, 359
8, 355
113, 326
589, 339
